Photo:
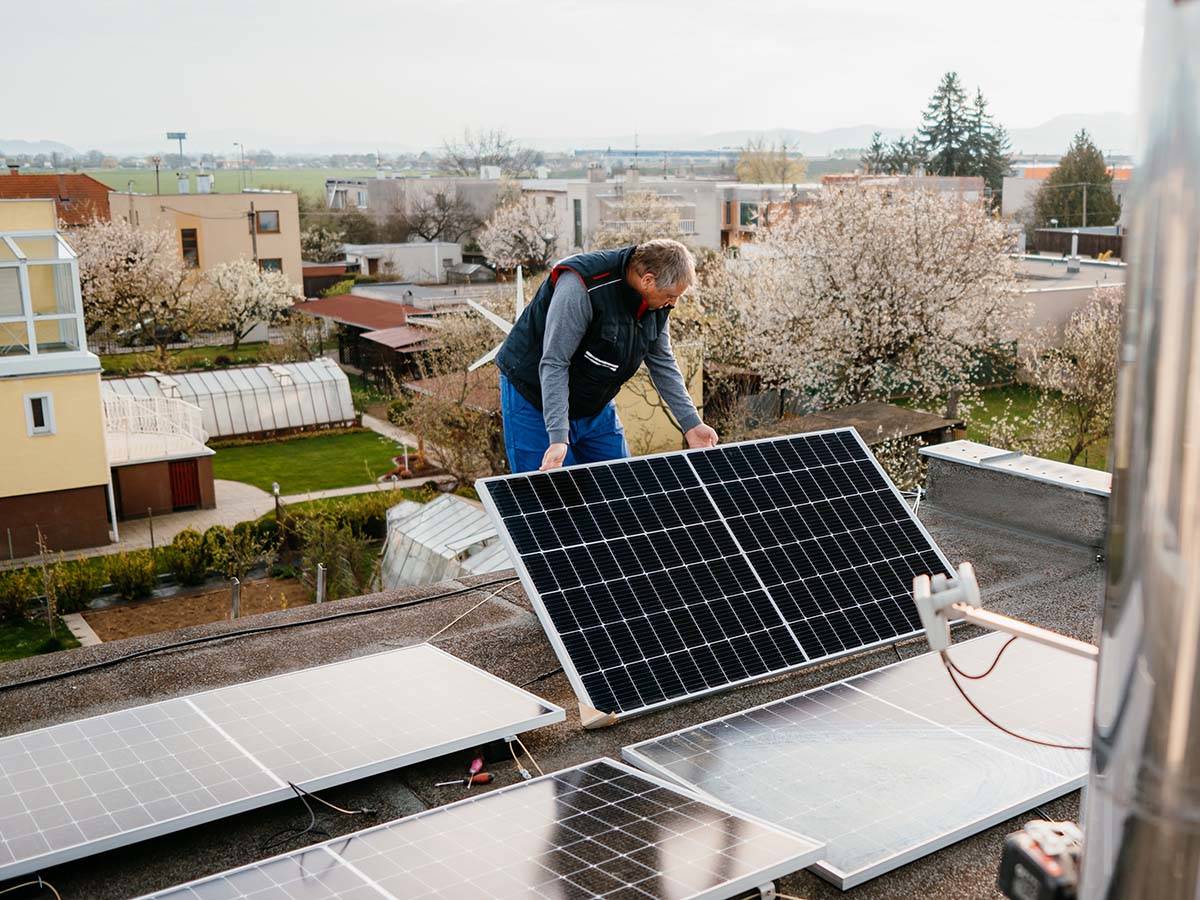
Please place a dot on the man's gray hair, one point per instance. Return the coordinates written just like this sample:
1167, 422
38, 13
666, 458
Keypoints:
669, 261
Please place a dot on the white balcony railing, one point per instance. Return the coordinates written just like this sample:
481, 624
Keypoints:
146, 428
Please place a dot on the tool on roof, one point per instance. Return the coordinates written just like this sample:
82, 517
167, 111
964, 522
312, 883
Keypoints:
1041, 862
477, 778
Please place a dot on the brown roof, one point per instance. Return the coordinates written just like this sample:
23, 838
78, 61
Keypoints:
874, 420
483, 388
402, 337
360, 311
79, 198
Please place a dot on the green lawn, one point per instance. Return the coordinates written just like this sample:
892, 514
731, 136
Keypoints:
227, 181
187, 358
311, 463
21, 639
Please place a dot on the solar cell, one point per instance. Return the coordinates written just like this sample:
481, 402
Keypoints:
671, 576
891, 765
82, 787
599, 829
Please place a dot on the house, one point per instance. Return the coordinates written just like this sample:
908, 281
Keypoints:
424, 262
78, 198
1020, 188
214, 228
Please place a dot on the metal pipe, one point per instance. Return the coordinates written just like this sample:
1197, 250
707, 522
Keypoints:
1142, 809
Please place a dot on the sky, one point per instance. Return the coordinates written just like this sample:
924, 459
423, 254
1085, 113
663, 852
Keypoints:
403, 74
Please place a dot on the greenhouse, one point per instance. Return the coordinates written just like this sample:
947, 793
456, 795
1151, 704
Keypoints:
443, 539
252, 400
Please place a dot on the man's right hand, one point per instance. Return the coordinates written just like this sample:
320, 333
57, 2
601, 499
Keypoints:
553, 457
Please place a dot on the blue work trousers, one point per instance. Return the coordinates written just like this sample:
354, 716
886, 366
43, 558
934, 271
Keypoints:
592, 439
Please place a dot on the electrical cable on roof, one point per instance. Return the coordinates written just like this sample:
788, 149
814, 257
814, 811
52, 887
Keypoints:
459, 618
288, 834
39, 884
542, 677
261, 629
532, 758
951, 669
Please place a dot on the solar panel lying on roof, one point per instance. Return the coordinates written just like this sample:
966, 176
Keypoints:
891, 765
599, 829
671, 576
79, 788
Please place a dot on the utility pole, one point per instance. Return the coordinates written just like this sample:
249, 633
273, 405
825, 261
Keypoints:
1085, 204
242, 164
253, 231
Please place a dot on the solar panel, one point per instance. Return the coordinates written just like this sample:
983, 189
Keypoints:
82, 787
671, 576
599, 829
889, 766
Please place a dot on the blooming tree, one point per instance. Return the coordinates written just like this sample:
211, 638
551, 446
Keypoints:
134, 281
638, 216
321, 244
521, 232
244, 295
866, 294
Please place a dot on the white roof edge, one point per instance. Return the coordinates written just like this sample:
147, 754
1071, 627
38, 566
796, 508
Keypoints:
1014, 462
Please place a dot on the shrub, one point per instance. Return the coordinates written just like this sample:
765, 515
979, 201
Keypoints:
242, 551
16, 590
397, 408
222, 359
350, 559
133, 575
188, 558
75, 584
216, 540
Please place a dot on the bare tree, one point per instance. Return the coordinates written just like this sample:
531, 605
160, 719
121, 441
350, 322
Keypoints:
440, 215
763, 163
487, 148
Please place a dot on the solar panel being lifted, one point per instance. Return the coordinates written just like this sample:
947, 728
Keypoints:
671, 576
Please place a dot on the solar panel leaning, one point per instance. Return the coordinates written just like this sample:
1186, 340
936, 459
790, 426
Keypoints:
598, 829
671, 576
79, 788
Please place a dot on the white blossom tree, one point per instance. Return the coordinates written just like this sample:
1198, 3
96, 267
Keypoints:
866, 294
639, 216
321, 244
134, 281
520, 232
242, 295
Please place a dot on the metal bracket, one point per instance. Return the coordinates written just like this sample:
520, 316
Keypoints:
766, 891
590, 717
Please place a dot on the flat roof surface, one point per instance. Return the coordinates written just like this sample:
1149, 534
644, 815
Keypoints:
350, 309
1047, 582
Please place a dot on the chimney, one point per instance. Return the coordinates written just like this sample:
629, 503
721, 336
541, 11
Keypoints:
595, 173
14, 169
631, 177
182, 180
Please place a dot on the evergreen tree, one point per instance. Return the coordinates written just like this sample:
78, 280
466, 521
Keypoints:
1061, 194
946, 128
987, 146
904, 157
874, 158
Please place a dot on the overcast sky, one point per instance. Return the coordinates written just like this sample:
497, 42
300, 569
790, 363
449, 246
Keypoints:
373, 72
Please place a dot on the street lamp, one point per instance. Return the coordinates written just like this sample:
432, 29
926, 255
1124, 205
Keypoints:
157, 160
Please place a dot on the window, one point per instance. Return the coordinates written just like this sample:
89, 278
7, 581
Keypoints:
271, 265
578, 205
362, 199
191, 247
748, 215
728, 212
267, 221
549, 201
39, 414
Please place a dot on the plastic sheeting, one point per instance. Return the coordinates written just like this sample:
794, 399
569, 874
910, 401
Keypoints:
253, 399
443, 539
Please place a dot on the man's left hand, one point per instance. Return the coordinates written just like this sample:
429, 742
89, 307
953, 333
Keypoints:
701, 436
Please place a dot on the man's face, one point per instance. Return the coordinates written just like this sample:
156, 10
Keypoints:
655, 296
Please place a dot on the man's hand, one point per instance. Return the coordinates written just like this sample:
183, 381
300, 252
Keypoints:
554, 456
701, 436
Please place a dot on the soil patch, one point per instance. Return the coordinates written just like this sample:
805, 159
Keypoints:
153, 616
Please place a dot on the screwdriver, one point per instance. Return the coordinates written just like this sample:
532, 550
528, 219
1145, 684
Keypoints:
477, 778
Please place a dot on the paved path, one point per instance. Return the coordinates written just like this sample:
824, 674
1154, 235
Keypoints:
236, 502
387, 429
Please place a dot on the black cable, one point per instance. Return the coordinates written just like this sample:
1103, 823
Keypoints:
896, 650
536, 678
291, 834
262, 629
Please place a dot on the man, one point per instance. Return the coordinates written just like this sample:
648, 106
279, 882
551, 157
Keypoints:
592, 323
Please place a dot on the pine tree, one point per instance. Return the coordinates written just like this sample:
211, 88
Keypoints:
987, 146
1061, 194
904, 157
874, 158
944, 133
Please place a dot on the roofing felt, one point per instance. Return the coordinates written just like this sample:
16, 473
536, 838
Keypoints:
402, 337
1049, 583
350, 309
78, 198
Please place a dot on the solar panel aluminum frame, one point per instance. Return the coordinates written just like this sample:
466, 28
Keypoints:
283, 791
591, 717
729, 889
824, 869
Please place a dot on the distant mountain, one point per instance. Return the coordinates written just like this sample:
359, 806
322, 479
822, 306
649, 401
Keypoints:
33, 148
1113, 132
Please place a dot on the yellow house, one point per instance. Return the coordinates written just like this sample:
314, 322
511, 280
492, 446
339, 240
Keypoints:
54, 473
217, 228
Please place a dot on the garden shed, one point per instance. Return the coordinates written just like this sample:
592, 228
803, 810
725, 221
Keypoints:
254, 400
441, 540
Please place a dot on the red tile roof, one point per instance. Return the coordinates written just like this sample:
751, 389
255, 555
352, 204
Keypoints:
79, 198
360, 311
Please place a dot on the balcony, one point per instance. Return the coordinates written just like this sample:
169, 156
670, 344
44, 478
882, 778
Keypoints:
148, 429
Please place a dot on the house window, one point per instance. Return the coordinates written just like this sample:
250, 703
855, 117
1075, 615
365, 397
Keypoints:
728, 212
578, 206
748, 215
267, 221
39, 414
191, 247
271, 265
362, 199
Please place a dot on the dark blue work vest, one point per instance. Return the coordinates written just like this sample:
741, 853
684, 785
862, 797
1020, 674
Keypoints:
612, 348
